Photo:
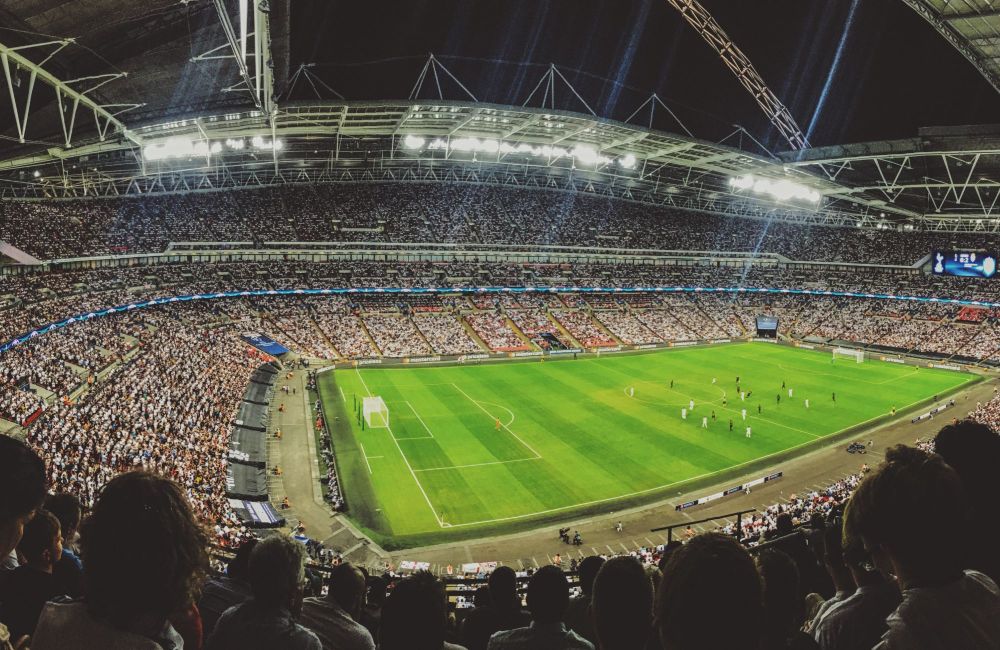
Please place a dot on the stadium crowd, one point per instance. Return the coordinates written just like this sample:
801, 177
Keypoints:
864, 571
439, 213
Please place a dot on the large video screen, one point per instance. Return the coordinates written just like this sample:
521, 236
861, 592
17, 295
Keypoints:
767, 322
966, 264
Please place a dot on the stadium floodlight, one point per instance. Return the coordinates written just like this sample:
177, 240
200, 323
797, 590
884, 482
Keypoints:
36, 173
413, 142
627, 161
176, 148
782, 190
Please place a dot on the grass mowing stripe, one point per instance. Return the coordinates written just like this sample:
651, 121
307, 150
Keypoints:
405, 460
597, 446
537, 455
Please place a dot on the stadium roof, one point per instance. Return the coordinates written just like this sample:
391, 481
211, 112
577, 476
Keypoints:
971, 26
82, 126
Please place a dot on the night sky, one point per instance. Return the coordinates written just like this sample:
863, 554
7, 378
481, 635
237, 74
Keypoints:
849, 70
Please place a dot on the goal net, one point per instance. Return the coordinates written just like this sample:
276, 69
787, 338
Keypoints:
857, 355
375, 411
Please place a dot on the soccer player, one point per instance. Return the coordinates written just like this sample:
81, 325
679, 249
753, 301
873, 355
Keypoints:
730, 424
758, 409
737, 380
498, 424
704, 422
782, 383
713, 415
631, 391
743, 396
671, 383
894, 410
691, 404
684, 414
744, 413
748, 431
714, 379
789, 392
807, 402
834, 395
777, 398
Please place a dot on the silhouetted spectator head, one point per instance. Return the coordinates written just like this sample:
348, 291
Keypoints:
668, 550
548, 595
347, 588
41, 544
973, 450
144, 555
783, 608
415, 615
710, 589
622, 605
784, 524
376, 589
22, 484
239, 567
482, 597
67, 509
278, 572
588, 568
888, 513
503, 588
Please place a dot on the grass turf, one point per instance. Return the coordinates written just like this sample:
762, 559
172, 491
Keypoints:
572, 439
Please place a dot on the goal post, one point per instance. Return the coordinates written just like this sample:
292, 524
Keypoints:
375, 412
857, 355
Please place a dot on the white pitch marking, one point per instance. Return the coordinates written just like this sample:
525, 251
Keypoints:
429, 432
405, 460
458, 388
495, 462
366, 458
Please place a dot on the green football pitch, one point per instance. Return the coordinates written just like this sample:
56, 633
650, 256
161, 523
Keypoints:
480, 449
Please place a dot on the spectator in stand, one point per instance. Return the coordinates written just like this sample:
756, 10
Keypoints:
267, 620
144, 557
783, 603
68, 570
973, 451
840, 575
859, 621
548, 598
25, 590
233, 588
415, 615
811, 577
334, 618
710, 591
371, 613
942, 605
502, 612
622, 605
578, 616
22, 484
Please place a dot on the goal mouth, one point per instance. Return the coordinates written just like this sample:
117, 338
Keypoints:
851, 353
375, 412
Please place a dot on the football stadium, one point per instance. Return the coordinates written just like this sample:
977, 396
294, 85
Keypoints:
648, 324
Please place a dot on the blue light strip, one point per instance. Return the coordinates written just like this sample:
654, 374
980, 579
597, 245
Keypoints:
470, 291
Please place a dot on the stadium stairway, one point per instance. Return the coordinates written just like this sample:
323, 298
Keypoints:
326, 339
562, 330
603, 328
471, 333
368, 335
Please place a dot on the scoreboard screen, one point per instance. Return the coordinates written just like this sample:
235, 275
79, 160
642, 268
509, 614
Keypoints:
967, 264
767, 322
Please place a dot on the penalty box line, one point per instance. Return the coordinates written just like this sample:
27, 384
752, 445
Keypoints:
406, 460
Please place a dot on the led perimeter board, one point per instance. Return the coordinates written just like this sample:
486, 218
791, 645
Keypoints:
967, 264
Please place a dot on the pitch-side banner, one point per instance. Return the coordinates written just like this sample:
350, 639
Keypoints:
265, 344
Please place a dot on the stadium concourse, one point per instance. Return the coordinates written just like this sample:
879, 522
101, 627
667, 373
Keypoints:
178, 387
